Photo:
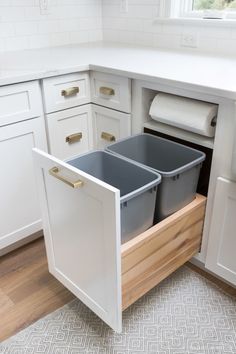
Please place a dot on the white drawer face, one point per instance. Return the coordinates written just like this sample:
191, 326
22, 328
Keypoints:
20, 102
111, 91
70, 132
109, 126
66, 91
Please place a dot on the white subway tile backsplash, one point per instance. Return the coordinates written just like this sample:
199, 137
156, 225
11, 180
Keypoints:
77, 21
69, 21
145, 29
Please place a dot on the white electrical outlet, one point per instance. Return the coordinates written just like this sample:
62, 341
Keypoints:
124, 6
189, 40
44, 7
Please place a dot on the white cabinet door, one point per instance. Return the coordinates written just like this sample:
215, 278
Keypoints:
109, 126
70, 132
82, 234
222, 240
19, 206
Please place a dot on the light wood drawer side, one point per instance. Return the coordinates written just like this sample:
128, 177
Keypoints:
152, 256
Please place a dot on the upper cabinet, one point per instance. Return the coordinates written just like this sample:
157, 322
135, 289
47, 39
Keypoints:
66, 91
222, 239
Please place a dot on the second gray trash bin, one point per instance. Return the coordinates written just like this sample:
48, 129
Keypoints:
137, 187
178, 165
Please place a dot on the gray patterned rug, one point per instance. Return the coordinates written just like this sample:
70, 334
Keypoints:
185, 314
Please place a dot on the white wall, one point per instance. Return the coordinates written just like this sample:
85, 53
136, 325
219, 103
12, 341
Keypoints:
69, 21
77, 21
139, 26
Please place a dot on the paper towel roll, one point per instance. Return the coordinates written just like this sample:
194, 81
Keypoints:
185, 113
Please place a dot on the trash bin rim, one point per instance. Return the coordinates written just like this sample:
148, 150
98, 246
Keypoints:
170, 174
134, 193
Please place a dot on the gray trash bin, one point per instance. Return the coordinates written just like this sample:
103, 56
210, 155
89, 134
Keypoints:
178, 165
137, 187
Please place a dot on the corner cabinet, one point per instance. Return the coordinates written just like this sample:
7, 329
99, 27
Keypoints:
81, 217
222, 240
109, 126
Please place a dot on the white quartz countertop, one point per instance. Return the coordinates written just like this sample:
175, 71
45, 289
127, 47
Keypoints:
203, 73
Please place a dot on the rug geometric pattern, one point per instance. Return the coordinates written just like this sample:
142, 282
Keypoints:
185, 314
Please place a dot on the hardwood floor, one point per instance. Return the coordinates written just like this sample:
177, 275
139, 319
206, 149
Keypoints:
28, 292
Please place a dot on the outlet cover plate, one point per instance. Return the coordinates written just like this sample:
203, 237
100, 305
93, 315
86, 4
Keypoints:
124, 6
44, 7
189, 40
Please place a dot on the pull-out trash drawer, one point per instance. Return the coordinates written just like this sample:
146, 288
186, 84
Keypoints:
82, 228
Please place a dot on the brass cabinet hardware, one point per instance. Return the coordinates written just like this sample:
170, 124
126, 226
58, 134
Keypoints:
108, 91
108, 137
71, 91
74, 138
55, 173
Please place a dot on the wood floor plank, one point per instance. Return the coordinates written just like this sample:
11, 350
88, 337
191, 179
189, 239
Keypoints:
28, 254
5, 302
33, 292
27, 290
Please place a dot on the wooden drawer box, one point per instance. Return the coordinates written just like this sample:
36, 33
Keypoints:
152, 256
111, 91
82, 233
20, 102
66, 91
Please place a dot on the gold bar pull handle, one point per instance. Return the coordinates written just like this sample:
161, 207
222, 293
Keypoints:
108, 91
55, 172
74, 138
108, 136
71, 91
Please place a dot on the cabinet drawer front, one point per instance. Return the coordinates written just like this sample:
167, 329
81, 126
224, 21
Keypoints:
109, 126
70, 132
82, 235
111, 91
66, 91
20, 102
155, 254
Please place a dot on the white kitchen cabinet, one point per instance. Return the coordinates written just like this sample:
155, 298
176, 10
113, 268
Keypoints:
19, 102
19, 205
66, 91
111, 91
81, 217
109, 126
70, 131
222, 239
